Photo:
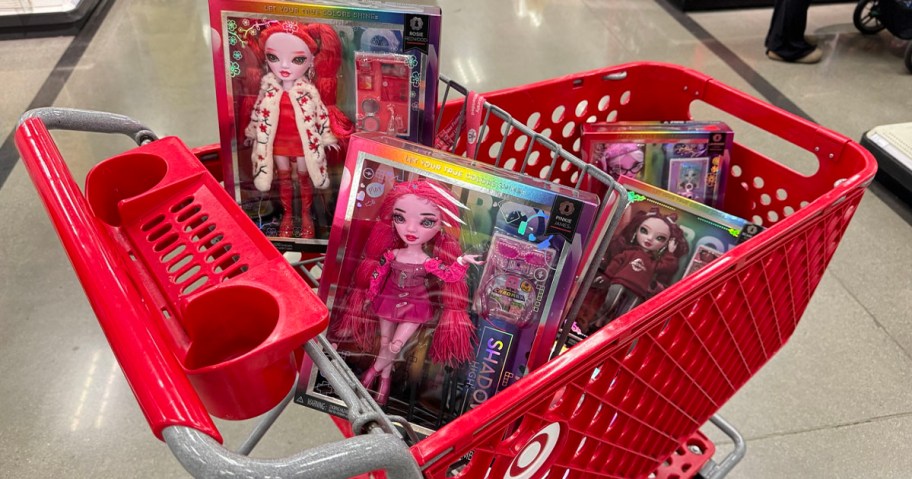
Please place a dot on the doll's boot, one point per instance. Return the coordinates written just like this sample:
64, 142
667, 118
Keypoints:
369, 376
286, 196
383, 392
306, 191
610, 308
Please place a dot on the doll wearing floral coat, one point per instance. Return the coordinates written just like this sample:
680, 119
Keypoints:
295, 118
311, 120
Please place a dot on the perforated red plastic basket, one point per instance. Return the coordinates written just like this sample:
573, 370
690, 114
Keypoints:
619, 404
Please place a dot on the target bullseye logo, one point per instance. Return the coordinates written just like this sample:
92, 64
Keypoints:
536, 457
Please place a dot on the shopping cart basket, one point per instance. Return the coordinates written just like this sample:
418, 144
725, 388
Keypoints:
620, 403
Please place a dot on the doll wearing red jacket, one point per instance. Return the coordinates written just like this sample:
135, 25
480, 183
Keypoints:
642, 260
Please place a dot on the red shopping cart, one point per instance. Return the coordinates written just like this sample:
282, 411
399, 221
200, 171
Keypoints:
620, 404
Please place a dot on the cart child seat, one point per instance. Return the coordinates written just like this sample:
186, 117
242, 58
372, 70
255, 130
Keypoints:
211, 300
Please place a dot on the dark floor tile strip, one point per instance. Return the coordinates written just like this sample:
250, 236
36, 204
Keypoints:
54, 83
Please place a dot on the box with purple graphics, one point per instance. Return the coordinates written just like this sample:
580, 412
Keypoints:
661, 238
446, 279
294, 80
689, 158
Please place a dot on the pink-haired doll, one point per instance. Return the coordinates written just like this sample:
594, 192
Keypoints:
295, 118
641, 261
412, 273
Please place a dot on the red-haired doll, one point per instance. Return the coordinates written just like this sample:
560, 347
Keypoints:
641, 261
295, 117
412, 273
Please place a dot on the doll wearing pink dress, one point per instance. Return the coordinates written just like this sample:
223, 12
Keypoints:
295, 118
400, 290
412, 273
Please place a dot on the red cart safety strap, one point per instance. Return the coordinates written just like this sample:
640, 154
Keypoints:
474, 114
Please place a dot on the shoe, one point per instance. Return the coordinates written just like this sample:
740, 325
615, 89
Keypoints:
815, 56
306, 192
369, 376
286, 197
383, 392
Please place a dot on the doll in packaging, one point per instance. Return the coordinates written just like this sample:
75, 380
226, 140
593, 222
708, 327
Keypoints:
662, 238
689, 158
642, 260
427, 324
295, 119
411, 273
294, 79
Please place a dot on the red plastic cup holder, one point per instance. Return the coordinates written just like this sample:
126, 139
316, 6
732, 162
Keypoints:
226, 327
224, 324
230, 308
120, 178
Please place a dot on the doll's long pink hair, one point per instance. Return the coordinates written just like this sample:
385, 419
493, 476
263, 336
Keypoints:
455, 334
326, 47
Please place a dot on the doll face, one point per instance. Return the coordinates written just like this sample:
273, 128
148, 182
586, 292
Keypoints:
653, 234
628, 164
288, 56
689, 175
416, 219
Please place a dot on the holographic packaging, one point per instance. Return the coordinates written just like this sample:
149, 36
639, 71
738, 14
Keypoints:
362, 66
661, 239
520, 243
688, 158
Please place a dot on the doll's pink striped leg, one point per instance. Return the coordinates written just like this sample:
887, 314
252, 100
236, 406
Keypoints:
393, 337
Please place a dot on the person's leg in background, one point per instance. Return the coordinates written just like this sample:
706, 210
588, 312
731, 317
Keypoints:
785, 40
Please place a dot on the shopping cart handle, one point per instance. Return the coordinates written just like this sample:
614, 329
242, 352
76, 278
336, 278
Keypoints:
127, 324
203, 457
95, 121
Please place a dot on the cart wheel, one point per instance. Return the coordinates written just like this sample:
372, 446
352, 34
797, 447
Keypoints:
866, 17
908, 57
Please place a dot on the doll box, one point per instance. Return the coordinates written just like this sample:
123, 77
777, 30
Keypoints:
527, 236
641, 258
689, 158
374, 68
